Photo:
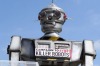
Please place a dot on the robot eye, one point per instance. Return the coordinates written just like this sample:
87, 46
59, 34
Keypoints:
57, 14
42, 15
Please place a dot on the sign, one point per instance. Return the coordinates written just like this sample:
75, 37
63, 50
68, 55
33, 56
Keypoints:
53, 53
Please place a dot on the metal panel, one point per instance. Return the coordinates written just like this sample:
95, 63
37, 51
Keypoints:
15, 43
44, 42
89, 47
76, 50
27, 49
14, 56
88, 60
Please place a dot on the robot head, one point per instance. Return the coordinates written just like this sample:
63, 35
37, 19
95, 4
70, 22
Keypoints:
51, 19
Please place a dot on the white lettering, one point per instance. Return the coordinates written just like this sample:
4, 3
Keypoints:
52, 53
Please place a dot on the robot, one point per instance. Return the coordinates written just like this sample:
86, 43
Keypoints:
51, 49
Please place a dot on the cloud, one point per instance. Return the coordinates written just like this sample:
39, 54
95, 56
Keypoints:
97, 45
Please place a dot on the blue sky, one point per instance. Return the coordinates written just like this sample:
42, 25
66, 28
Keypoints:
19, 17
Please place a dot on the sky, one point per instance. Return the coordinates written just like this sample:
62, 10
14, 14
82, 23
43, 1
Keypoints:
20, 17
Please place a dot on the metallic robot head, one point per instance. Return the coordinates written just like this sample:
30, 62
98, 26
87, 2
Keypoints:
51, 19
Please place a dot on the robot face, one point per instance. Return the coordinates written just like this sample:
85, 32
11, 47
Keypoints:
52, 19
52, 15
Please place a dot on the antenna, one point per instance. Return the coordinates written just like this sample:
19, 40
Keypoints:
52, 1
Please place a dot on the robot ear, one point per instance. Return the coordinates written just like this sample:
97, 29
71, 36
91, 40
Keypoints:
65, 16
39, 17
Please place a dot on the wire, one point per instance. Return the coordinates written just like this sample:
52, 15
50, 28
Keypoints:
52, 1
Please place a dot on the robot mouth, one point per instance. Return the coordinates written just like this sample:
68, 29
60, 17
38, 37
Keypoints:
50, 24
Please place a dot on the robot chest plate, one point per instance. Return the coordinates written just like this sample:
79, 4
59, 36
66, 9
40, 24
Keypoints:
54, 49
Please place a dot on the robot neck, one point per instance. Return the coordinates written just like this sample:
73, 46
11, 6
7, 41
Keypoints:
52, 34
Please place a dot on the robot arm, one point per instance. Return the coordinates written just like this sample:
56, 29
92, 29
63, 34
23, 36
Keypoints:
14, 48
19, 49
89, 53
